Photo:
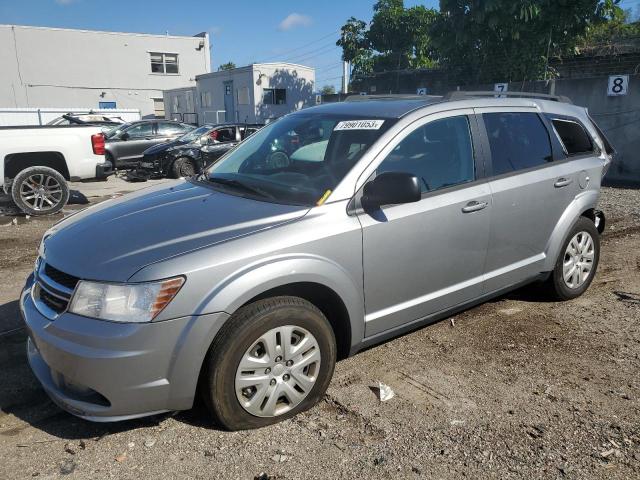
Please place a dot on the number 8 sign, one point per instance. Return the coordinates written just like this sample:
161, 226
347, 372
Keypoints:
618, 85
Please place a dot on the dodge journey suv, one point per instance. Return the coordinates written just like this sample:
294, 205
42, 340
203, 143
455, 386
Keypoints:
329, 230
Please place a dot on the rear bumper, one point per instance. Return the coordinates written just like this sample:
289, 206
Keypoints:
107, 371
104, 170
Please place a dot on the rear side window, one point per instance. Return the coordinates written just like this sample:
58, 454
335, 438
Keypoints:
518, 141
439, 153
574, 137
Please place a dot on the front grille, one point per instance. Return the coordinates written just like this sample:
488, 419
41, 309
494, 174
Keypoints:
56, 304
52, 290
62, 278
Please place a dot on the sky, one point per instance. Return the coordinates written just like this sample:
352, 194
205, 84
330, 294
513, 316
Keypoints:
241, 31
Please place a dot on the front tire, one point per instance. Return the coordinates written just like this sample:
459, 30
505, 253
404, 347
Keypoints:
183, 167
577, 262
273, 359
40, 191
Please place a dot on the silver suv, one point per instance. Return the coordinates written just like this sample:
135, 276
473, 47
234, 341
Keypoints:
329, 230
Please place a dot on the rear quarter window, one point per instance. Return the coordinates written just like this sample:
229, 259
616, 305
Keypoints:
573, 136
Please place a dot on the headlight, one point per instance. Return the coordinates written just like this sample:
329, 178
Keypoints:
132, 302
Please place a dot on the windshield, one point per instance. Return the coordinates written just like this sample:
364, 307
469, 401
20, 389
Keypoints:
298, 159
193, 135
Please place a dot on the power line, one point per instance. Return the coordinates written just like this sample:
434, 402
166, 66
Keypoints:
312, 53
288, 52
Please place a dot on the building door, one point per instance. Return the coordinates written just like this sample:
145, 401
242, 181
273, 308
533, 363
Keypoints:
229, 105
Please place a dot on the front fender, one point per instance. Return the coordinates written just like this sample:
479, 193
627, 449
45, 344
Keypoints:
236, 289
584, 201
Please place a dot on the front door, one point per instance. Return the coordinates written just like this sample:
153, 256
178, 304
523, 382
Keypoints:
425, 257
229, 104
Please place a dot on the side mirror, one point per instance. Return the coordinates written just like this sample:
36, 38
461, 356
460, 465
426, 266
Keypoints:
124, 136
205, 139
391, 188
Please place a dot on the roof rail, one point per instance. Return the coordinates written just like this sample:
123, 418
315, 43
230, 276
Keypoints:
461, 95
392, 96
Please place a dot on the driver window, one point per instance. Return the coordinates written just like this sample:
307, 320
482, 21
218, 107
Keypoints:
225, 135
439, 153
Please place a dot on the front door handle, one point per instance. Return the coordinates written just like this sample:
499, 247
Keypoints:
562, 182
474, 207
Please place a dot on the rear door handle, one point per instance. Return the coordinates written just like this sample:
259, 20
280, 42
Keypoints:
562, 182
474, 207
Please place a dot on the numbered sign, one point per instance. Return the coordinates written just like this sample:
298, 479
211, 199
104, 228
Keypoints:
618, 85
421, 91
501, 87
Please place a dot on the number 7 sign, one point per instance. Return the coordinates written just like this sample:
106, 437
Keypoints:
618, 85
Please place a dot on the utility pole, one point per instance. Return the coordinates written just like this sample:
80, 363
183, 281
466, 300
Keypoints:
345, 77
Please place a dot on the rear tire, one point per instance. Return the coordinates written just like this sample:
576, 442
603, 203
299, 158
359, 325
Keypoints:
40, 191
183, 167
249, 380
577, 262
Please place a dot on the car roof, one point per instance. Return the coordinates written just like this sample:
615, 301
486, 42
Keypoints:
375, 106
398, 106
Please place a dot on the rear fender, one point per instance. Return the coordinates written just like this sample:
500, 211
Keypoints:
583, 202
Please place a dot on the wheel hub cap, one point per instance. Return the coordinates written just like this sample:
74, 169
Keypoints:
278, 371
578, 260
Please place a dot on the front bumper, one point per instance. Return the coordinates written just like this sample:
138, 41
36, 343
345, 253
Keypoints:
107, 371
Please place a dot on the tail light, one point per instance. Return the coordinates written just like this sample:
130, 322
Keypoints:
97, 143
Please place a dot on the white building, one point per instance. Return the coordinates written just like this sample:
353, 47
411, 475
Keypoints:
257, 93
55, 67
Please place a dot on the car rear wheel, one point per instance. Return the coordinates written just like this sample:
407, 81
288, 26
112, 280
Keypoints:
578, 261
272, 360
183, 167
39, 191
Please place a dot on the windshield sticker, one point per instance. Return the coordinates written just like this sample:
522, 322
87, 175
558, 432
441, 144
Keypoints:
359, 125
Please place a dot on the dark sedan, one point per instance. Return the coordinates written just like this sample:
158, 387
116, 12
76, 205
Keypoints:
126, 143
191, 153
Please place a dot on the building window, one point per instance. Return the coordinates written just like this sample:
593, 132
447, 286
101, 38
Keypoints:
164, 62
158, 107
274, 96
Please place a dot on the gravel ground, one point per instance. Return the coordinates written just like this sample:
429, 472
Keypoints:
516, 388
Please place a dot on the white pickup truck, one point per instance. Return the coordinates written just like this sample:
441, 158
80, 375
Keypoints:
37, 161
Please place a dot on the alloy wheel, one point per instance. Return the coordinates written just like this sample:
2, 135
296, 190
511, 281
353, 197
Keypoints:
41, 192
578, 260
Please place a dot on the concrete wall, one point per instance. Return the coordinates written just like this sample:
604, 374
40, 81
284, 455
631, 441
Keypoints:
249, 82
49, 67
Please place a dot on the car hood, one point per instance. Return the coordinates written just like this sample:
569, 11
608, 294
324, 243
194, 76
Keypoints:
113, 240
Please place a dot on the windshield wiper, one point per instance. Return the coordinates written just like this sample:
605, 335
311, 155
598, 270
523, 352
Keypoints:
227, 182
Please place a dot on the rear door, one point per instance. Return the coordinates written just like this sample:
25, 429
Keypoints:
531, 187
425, 257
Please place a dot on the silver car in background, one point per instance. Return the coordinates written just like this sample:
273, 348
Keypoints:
329, 230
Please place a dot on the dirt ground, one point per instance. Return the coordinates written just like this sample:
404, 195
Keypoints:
515, 388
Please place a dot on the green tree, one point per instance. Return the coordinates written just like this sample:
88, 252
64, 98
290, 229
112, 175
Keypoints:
328, 90
396, 38
510, 40
227, 66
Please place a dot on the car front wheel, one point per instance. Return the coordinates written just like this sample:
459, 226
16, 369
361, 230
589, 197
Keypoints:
273, 359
